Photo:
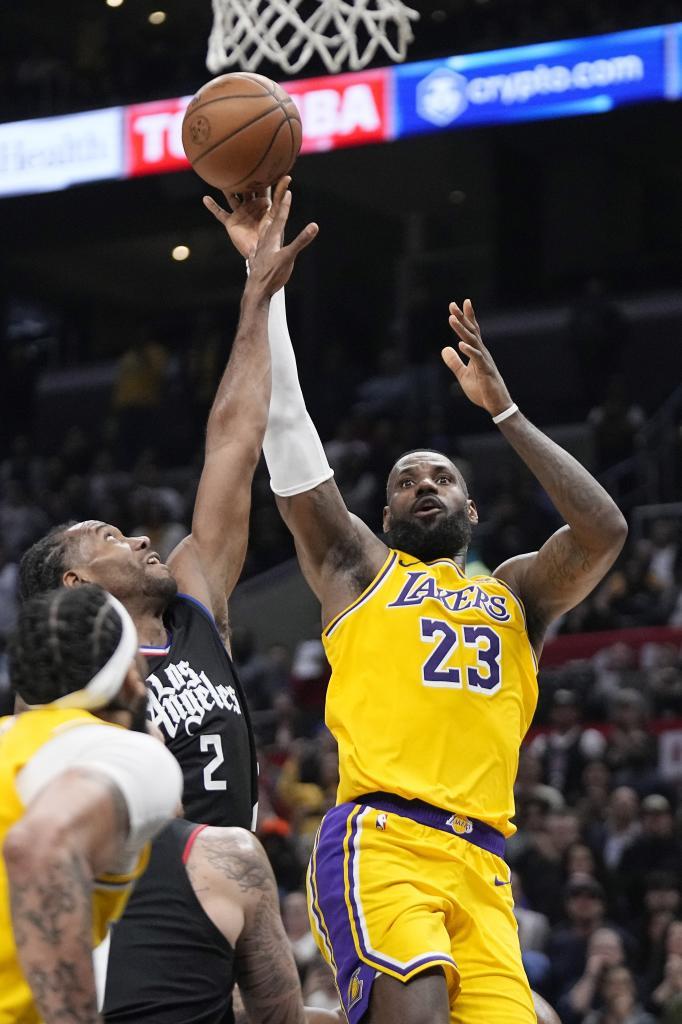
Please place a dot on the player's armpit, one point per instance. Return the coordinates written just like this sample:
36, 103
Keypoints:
556, 578
339, 555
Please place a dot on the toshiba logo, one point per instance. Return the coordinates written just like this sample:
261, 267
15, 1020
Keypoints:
154, 136
341, 110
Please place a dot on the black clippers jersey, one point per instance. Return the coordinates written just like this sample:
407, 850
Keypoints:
197, 702
168, 963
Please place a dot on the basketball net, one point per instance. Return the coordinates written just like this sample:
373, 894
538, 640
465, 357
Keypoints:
247, 31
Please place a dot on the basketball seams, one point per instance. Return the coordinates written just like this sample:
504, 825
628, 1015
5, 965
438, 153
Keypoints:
242, 128
238, 136
271, 143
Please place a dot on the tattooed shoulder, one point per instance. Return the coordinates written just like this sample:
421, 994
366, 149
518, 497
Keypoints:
238, 856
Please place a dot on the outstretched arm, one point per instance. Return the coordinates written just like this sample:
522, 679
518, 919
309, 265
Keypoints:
71, 832
338, 554
575, 558
208, 562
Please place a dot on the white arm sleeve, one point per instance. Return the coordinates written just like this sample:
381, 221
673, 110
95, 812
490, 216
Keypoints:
145, 773
292, 447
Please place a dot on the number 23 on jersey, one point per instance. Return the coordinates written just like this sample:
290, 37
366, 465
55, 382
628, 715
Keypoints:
484, 676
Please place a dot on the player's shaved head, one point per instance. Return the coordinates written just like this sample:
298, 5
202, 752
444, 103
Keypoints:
418, 455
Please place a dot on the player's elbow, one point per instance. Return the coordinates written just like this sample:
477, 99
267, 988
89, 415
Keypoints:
615, 530
31, 848
24, 851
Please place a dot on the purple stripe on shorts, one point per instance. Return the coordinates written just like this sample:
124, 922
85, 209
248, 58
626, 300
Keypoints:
353, 978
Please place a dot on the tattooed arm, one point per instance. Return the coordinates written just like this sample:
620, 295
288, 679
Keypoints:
571, 563
71, 831
234, 883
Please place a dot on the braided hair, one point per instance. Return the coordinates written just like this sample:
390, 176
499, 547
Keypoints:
44, 564
62, 639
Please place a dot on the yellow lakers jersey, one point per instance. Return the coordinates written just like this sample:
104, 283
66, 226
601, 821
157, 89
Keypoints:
433, 687
21, 737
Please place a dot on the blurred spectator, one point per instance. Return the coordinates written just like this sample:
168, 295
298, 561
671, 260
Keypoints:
620, 828
585, 913
541, 865
663, 551
567, 747
630, 749
137, 396
307, 785
596, 786
280, 847
605, 951
309, 678
533, 936
620, 1005
297, 927
657, 847
318, 988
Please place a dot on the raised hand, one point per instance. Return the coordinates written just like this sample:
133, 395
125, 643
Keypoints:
479, 378
245, 218
270, 262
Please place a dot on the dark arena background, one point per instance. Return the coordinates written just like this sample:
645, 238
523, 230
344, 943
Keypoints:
553, 198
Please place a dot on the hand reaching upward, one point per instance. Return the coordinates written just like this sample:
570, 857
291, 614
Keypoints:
479, 378
245, 218
258, 233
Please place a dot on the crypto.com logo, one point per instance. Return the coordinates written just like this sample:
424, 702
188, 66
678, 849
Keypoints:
441, 96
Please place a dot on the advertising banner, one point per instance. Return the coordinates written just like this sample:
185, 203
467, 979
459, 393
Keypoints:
563, 79
52, 153
153, 137
343, 110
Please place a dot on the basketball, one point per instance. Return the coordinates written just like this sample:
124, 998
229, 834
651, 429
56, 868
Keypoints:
241, 132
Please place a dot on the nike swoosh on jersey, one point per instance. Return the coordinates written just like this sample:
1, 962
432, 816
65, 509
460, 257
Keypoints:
498, 881
406, 565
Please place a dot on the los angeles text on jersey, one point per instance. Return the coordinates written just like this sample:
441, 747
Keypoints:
187, 698
421, 586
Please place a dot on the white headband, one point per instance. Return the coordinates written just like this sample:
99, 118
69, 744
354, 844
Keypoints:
108, 681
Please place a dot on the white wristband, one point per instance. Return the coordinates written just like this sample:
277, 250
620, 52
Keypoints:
502, 416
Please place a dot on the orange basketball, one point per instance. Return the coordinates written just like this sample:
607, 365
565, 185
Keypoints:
241, 132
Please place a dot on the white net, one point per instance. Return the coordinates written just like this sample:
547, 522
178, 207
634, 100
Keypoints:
290, 32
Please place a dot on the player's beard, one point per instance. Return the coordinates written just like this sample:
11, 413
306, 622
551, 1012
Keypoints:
448, 536
161, 588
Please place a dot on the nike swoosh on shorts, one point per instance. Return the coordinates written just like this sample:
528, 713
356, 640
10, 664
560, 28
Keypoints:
498, 881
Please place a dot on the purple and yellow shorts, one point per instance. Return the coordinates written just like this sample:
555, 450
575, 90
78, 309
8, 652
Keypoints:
397, 886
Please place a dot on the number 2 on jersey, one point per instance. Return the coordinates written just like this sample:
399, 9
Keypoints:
484, 676
215, 743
